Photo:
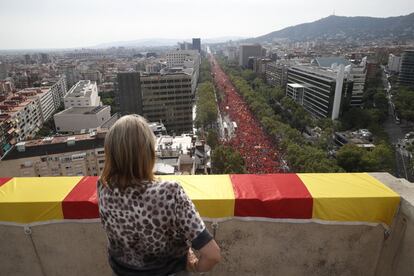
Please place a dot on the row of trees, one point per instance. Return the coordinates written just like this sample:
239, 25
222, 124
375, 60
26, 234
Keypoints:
404, 103
206, 115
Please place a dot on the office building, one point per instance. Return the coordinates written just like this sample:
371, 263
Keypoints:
81, 119
249, 50
323, 93
83, 93
394, 63
128, 93
406, 76
197, 44
168, 99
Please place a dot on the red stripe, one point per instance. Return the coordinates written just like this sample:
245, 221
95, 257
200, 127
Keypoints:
4, 180
271, 196
82, 201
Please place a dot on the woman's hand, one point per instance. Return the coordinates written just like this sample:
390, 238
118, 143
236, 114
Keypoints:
192, 261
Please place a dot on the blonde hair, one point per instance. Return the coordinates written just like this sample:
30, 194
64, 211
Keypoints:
129, 153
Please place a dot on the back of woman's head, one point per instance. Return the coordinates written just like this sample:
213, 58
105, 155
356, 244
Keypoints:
129, 153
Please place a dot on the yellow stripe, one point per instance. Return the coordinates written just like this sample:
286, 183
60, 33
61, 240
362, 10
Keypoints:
32, 199
351, 197
212, 194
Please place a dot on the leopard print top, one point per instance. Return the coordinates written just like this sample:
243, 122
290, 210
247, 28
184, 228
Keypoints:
150, 224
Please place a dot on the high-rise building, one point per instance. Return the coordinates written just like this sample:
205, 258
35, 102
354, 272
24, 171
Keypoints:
406, 76
168, 99
128, 93
83, 93
249, 50
197, 44
323, 93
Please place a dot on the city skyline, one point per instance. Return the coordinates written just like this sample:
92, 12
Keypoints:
57, 24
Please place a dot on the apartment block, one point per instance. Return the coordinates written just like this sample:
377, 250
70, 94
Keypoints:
56, 156
83, 93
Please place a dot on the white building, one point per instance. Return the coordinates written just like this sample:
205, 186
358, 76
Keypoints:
81, 119
83, 93
178, 57
394, 63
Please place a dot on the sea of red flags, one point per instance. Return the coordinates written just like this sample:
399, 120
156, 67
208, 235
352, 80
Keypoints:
254, 145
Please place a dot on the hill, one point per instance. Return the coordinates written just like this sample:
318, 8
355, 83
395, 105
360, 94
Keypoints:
342, 27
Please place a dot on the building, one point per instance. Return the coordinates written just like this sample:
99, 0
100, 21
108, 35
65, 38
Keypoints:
394, 63
178, 58
231, 53
84, 154
361, 138
3, 71
83, 93
81, 119
354, 72
406, 76
6, 87
357, 74
249, 50
56, 156
185, 46
259, 65
168, 99
92, 75
197, 44
128, 93
276, 73
323, 93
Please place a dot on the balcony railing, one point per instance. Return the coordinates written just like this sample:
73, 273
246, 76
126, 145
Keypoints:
284, 224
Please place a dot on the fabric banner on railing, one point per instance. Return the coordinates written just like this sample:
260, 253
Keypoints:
336, 198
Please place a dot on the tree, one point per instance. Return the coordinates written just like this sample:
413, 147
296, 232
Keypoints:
225, 160
212, 138
404, 104
350, 158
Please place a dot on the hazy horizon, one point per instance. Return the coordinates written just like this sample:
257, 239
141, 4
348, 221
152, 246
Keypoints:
49, 24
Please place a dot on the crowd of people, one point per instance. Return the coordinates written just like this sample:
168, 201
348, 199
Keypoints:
250, 141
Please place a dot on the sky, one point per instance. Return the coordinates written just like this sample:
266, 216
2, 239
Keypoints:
32, 24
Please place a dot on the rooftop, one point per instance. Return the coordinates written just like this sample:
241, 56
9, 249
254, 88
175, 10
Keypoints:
83, 110
82, 88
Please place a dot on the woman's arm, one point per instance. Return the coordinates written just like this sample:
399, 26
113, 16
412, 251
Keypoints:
209, 257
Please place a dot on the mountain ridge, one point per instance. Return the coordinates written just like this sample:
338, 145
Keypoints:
356, 27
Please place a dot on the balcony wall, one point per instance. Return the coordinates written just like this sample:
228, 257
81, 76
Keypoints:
250, 245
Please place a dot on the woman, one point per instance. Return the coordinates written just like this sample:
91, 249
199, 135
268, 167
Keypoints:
151, 225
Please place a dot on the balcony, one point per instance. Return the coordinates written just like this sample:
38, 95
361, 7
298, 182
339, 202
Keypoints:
281, 224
